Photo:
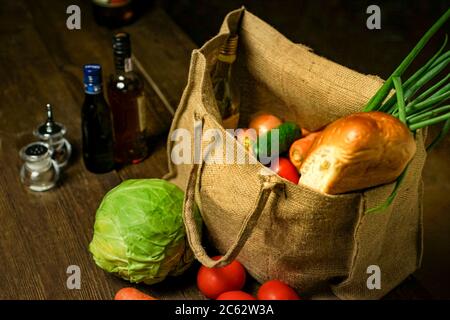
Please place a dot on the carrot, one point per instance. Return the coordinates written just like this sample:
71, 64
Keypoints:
300, 148
305, 132
132, 294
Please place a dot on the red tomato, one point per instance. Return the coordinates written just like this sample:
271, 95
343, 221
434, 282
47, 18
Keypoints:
235, 295
276, 290
214, 281
286, 169
265, 122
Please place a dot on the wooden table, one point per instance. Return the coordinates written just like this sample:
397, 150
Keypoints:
41, 62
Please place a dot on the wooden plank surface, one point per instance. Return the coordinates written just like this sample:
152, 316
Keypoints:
158, 45
47, 232
43, 233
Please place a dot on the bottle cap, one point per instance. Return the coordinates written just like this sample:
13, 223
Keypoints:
92, 73
122, 44
92, 78
50, 129
34, 151
36, 155
228, 50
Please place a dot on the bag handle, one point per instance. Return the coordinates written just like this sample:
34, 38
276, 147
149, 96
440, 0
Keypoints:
244, 233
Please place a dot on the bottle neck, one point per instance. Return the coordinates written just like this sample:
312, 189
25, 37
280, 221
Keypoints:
226, 58
222, 69
94, 98
123, 63
228, 51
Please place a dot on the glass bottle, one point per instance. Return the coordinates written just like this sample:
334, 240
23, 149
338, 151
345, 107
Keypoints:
113, 13
97, 133
52, 133
39, 172
128, 104
225, 90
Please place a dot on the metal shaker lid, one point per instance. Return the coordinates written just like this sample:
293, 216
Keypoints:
50, 129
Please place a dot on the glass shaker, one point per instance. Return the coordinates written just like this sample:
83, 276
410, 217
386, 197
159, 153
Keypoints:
52, 133
39, 172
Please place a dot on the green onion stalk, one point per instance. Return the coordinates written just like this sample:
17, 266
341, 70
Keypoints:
415, 107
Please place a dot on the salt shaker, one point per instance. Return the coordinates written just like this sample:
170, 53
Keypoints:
52, 133
39, 172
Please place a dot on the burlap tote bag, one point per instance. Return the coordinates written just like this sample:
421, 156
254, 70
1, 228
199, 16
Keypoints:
279, 230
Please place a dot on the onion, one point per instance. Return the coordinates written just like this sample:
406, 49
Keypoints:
265, 122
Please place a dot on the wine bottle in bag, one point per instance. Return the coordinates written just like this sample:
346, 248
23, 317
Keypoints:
225, 90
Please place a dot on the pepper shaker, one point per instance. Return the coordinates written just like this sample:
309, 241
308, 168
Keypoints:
52, 133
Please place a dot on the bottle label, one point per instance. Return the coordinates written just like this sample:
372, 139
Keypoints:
143, 113
92, 88
128, 65
230, 58
111, 3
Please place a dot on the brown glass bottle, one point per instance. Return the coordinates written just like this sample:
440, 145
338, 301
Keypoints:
128, 105
114, 13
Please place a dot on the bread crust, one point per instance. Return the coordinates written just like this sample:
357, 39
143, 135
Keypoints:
356, 152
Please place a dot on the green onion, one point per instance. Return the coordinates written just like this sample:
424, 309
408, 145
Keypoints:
392, 196
431, 113
430, 91
438, 93
441, 58
429, 102
400, 100
420, 112
427, 76
423, 110
385, 107
429, 122
382, 93
430, 74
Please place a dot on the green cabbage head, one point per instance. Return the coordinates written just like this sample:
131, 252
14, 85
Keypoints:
139, 233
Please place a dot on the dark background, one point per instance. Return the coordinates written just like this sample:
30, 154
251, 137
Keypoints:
335, 29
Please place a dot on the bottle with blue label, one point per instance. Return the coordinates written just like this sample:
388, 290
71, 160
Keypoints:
97, 133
